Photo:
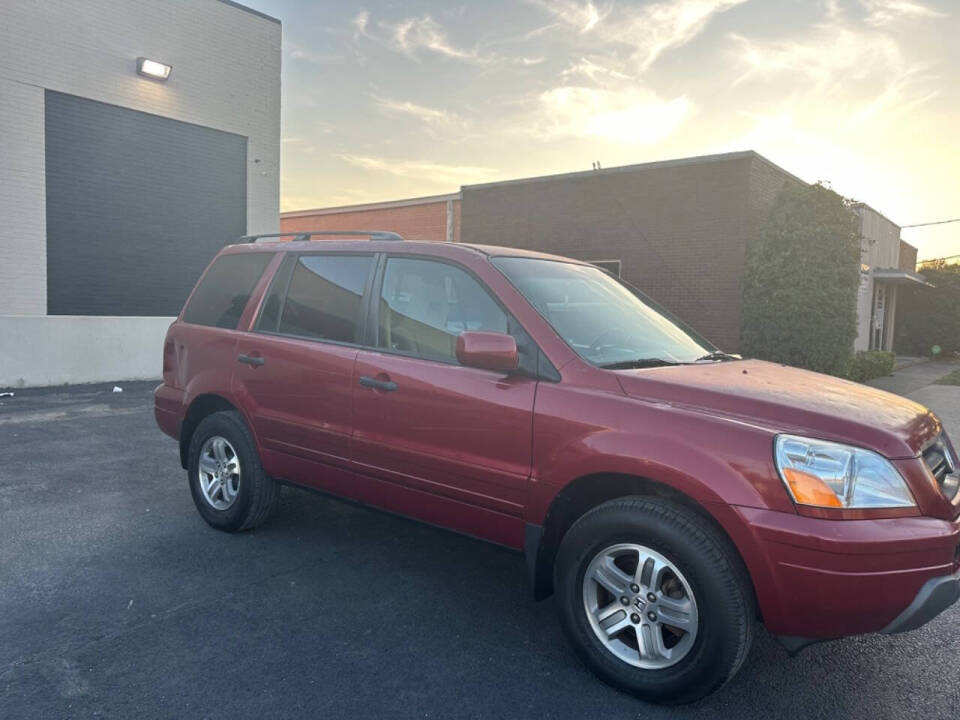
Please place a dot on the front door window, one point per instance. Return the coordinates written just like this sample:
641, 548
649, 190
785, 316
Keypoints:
425, 305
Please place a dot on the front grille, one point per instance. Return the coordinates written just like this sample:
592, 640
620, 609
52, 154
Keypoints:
939, 460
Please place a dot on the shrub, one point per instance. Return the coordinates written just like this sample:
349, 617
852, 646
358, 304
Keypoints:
801, 280
868, 364
930, 316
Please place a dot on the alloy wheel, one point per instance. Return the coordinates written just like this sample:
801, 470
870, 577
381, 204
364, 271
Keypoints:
219, 472
640, 606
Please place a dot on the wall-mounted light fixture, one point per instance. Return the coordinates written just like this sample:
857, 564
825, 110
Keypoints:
153, 69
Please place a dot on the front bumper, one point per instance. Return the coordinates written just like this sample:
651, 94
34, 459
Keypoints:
936, 595
818, 579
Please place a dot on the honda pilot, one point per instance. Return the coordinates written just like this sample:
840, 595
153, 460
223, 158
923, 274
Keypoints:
669, 495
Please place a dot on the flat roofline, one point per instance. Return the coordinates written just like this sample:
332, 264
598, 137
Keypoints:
864, 205
382, 205
250, 10
676, 162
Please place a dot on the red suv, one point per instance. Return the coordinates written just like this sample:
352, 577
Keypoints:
668, 494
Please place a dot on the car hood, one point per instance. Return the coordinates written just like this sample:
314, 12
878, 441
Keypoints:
787, 399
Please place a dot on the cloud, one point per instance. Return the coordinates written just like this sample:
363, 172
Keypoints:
414, 36
885, 12
419, 36
636, 115
582, 16
832, 54
834, 98
434, 118
592, 71
360, 22
423, 170
851, 71
646, 31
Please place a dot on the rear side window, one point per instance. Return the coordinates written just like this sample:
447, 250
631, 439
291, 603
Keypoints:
223, 293
325, 297
270, 312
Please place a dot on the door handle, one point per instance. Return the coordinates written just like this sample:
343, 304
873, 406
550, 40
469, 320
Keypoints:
254, 360
387, 385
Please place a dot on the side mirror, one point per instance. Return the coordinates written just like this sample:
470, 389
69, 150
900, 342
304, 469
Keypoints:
488, 351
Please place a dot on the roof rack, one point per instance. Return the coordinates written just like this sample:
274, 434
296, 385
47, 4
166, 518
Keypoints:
306, 235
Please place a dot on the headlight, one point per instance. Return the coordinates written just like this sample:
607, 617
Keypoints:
826, 474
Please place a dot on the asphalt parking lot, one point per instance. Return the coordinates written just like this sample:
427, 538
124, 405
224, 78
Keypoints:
116, 600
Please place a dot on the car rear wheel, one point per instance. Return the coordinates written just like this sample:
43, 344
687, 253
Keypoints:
654, 599
227, 482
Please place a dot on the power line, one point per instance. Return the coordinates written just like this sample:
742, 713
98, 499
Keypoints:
948, 257
938, 222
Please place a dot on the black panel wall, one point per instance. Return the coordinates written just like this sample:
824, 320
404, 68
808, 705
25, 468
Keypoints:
137, 205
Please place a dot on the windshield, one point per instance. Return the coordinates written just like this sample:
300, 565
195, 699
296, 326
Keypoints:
606, 323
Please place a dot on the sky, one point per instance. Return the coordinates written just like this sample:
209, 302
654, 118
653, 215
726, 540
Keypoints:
389, 100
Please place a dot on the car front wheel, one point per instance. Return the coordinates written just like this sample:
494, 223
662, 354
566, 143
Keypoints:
654, 600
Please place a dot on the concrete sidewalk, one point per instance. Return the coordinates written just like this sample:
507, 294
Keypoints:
917, 382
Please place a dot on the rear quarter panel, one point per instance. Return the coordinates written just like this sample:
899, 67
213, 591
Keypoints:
205, 360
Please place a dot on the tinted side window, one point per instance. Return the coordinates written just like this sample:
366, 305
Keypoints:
325, 297
270, 310
425, 305
223, 293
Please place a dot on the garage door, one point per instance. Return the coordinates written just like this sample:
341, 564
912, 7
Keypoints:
137, 205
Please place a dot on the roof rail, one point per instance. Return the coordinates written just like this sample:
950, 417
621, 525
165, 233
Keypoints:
307, 234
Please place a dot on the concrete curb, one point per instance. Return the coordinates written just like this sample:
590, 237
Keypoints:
904, 362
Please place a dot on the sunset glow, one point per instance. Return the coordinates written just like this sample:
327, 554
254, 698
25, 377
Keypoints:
385, 100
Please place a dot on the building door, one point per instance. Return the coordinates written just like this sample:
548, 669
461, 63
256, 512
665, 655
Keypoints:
878, 327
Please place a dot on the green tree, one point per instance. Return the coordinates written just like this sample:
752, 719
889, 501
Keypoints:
930, 316
801, 280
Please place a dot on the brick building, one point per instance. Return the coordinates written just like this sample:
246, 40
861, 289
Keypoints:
435, 218
677, 229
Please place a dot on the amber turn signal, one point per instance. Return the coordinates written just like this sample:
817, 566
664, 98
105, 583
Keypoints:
808, 489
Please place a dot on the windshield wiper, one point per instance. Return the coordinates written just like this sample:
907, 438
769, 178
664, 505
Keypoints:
637, 363
718, 355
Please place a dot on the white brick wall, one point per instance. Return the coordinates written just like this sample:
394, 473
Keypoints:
226, 75
23, 221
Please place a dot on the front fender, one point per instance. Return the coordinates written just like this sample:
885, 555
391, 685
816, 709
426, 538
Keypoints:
711, 459
718, 463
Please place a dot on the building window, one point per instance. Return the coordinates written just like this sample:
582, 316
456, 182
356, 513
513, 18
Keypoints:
611, 266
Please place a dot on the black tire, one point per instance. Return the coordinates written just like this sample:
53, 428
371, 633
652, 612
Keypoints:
724, 596
257, 494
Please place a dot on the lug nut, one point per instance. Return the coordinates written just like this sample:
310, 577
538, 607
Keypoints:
634, 618
651, 597
625, 600
634, 588
652, 616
